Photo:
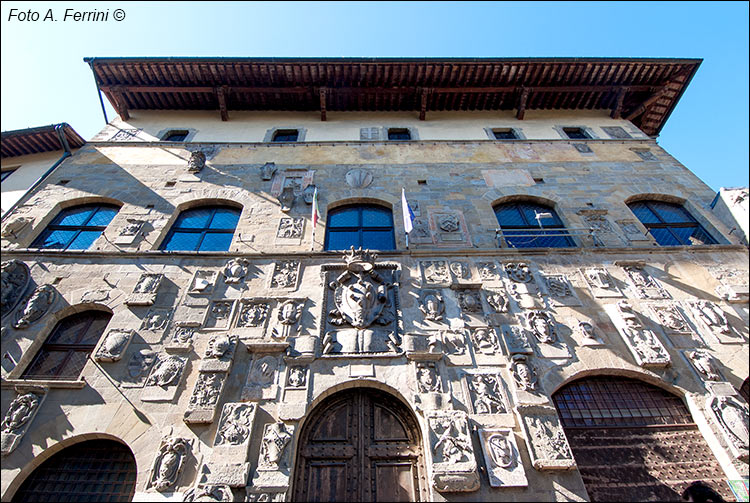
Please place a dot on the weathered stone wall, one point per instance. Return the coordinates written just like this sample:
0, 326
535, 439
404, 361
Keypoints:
453, 306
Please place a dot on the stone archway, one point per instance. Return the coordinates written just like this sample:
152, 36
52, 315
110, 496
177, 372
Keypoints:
633, 441
360, 444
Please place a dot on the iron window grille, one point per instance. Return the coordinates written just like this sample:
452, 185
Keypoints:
64, 353
670, 224
399, 134
76, 228
504, 134
203, 229
576, 133
368, 226
176, 135
285, 135
527, 225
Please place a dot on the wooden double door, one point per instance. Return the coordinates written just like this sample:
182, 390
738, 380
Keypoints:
359, 445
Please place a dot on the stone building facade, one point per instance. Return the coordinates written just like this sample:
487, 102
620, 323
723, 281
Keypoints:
472, 365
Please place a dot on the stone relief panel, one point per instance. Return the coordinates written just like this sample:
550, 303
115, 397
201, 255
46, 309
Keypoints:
156, 320
432, 305
733, 283
675, 325
268, 170
642, 342
203, 282
360, 307
15, 278
18, 418
545, 332
236, 271
460, 271
524, 374
428, 378
454, 464
602, 285
114, 345
559, 290
642, 284
435, 272
358, 178
294, 179
502, 458
517, 340
254, 494
290, 231
169, 462
470, 303
205, 397
234, 430
219, 314
485, 392
180, 339
704, 364
219, 353
712, 320
36, 306
456, 347
731, 416
488, 271
164, 380
423, 347
449, 228
484, 340
208, 493
145, 290
261, 381
274, 460
547, 443
253, 317
130, 232
296, 377
285, 274
521, 285
139, 367
288, 316
588, 333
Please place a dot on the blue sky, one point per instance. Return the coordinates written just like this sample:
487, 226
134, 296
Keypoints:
44, 78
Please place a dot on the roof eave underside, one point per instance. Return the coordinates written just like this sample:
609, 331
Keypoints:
642, 90
37, 140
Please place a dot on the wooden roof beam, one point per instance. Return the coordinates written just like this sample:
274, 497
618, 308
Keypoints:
221, 96
322, 92
118, 101
424, 93
646, 104
617, 109
522, 103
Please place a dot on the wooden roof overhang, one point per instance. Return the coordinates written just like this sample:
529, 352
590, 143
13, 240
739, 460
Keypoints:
644, 91
37, 140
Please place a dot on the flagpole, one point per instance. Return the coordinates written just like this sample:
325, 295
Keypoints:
407, 239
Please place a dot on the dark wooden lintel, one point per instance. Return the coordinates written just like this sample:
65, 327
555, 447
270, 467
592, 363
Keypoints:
119, 103
423, 104
617, 109
221, 93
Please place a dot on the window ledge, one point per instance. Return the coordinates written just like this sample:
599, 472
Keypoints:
46, 383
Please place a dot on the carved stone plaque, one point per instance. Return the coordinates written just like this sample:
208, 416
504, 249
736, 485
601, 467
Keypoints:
548, 445
261, 382
731, 417
285, 274
502, 458
114, 345
15, 280
600, 282
642, 283
454, 467
145, 290
435, 272
18, 418
559, 290
641, 341
165, 378
205, 397
485, 392
234, 432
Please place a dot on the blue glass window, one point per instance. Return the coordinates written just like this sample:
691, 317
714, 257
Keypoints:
368, 226
208, 228
528, 225
670, 224
76, 228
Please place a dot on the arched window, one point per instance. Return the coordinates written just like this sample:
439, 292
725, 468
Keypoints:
76, 228
633, 441
530, 225
65, 351
670, 224
208, 228
365, 225
94, 470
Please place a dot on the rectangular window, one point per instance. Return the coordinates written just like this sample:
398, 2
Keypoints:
399, 134
616, 132
575, 133
176, 135
284, 135
504, 134
7, 172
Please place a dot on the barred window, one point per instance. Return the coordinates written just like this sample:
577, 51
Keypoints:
64, 353
208, 228
670, 224
529, 225
76, 228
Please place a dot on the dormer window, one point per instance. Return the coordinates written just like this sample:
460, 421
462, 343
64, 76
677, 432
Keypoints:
576, 133
176, 135
399, 134
285, 135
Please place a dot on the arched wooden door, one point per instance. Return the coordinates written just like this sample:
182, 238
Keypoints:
633, 441
359, 445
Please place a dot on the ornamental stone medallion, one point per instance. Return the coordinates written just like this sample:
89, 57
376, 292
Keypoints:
37, 305
454, 466
731, 416
18, 417
360, 307
169, 463
114, 345
145, 290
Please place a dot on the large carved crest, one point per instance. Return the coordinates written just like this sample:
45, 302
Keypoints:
362, 304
